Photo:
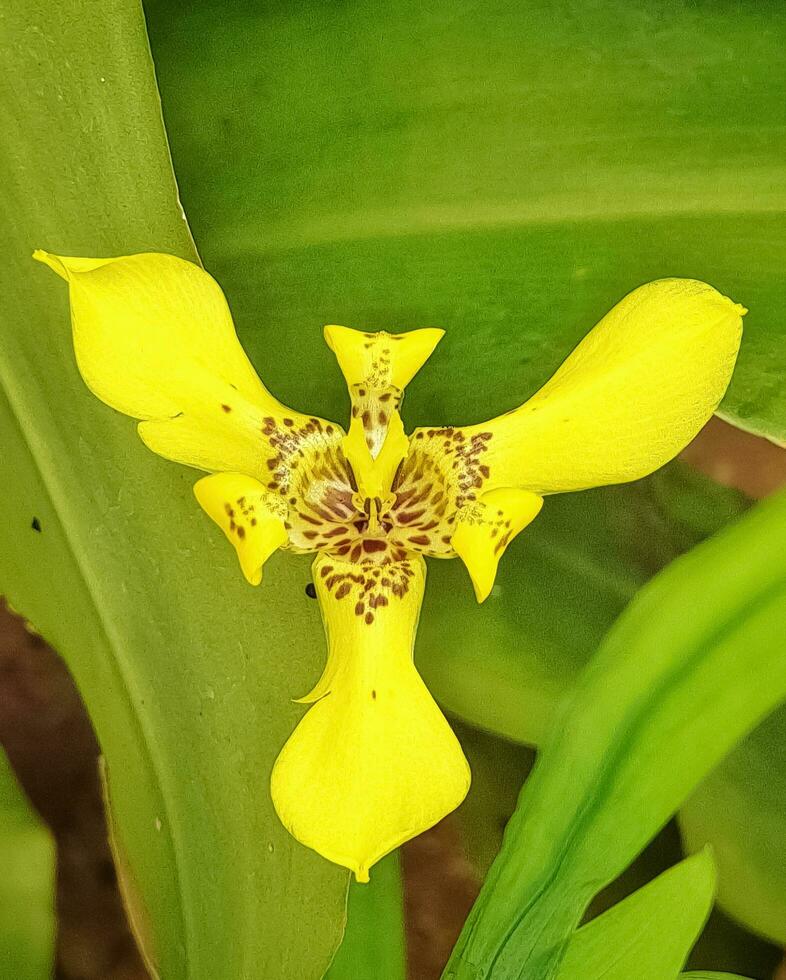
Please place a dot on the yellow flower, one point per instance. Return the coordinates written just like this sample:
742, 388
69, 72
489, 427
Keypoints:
373, 761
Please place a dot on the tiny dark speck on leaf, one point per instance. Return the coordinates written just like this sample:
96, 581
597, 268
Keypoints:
311, 591
36, 525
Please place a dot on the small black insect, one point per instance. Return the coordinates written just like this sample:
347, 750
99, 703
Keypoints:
36, 525
311, 591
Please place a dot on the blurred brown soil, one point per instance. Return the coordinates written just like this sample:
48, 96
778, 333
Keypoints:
47, 735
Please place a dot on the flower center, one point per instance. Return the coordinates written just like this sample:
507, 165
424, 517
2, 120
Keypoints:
329, 513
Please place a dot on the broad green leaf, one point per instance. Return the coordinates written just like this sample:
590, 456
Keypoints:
648, 935
373, 944
27, 886
507, 171
691, 666
187, 672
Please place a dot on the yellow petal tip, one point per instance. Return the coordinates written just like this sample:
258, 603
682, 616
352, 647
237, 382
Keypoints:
54, 263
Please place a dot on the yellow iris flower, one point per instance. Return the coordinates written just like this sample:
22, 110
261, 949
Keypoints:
373, 762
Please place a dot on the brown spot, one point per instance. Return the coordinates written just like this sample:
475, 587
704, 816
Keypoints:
226, 408
420, 539
371, 545
369, 618
241, 532
343, 590
289, 422
360, 608
373, 695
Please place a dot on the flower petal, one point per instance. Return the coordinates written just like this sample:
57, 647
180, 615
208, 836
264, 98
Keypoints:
485, 528
381, 359
377, 368
373, 762
633, 393
374, 475
154, 339
250, 517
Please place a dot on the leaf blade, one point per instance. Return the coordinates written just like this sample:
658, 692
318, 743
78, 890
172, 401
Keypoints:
650, 933
187, 677
656, 691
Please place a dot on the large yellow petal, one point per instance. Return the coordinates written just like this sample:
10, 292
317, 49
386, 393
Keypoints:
633, 393
154, 339
373, 762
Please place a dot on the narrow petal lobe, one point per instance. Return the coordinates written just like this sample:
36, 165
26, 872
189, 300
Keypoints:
373, 762
250, 517
485, 528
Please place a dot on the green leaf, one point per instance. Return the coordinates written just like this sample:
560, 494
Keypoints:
373, 944
691, 666
739, 809
703, 975
507, 172
27, 885
505, 665
186, 671
649, 934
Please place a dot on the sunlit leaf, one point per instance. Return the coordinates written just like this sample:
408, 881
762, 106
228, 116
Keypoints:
507, 171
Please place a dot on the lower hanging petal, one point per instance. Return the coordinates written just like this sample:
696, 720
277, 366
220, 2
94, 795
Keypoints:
373, 763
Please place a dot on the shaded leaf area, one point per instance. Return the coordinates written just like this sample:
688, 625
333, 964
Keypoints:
711, 976
650, 933
373, 944
673, 687
740, 808
27, 885
563, 582
187, 673
507, 171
